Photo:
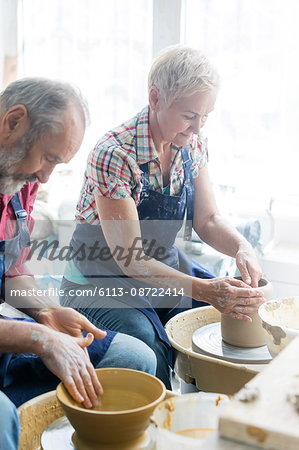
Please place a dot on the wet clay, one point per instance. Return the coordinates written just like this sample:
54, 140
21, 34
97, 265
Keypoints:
294, 399
120, 400
196, 433
284, 312
246, 334
280, 319
257, 433
36, 415
277, 333
248, 394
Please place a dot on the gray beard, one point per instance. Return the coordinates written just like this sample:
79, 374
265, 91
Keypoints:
10, 186
9, 182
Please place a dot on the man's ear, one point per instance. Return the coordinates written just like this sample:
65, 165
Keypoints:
14, 124
154, 99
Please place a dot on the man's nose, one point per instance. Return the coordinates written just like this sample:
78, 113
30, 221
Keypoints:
43, 174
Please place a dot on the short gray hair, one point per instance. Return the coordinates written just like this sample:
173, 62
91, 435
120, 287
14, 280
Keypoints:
179, 70
46, 101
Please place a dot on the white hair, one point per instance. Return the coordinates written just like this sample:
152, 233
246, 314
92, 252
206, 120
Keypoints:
46, 101
179, 70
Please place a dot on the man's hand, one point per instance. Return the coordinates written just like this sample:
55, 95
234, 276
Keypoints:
66, 357
69, 321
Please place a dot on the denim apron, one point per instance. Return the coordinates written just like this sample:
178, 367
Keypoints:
161, 217
24, 376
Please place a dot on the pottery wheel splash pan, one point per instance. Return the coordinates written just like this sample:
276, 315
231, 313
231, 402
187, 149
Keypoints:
208, 341
209, 373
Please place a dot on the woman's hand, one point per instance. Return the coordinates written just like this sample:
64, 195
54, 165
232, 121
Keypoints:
229, 296
67, 358
69, 321
248, 265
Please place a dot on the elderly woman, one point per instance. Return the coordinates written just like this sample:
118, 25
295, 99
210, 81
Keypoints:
141, 180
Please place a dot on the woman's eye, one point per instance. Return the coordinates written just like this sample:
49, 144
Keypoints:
50, 160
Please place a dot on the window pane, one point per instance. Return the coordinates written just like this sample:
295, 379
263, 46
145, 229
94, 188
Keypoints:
254, 134
104, 47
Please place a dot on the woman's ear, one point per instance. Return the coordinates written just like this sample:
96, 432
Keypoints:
155, 99
14, 124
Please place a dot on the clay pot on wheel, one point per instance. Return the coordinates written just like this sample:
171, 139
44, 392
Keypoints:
123, 414
246, 334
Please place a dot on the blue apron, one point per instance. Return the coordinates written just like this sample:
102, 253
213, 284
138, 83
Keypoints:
24, 376
161, 217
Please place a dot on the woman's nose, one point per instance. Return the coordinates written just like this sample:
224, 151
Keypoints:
197, 125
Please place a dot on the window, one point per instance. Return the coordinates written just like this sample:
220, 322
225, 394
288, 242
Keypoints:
253, 133
104, 47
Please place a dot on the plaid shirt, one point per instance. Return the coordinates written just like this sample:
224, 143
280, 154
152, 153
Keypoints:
113, 165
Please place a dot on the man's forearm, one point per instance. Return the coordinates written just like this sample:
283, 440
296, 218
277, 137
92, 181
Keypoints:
23, 293
20, 337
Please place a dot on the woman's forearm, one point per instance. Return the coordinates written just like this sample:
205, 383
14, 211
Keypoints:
222, 236
158, 274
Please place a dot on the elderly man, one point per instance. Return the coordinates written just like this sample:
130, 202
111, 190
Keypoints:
42, 123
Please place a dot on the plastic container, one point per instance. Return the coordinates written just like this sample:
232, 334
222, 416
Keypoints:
198, 412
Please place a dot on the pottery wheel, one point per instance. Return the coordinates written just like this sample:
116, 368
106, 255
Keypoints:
60, 436
207, 340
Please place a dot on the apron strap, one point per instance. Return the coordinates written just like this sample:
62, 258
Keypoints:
21, 216
187, 164
20, 212
188, 183
2, 264
145, 180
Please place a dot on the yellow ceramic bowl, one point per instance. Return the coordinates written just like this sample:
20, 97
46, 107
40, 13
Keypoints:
280, 320
124, 409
